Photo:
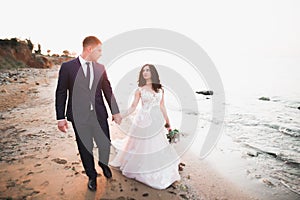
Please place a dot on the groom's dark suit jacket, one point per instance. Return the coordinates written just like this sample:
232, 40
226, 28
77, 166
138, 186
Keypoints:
71, 86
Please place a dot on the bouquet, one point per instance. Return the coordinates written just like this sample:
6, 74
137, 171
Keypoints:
172, 135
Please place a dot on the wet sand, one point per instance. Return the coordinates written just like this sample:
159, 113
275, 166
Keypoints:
39, 162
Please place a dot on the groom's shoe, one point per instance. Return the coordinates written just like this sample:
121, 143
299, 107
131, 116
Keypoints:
92, 184
105, 169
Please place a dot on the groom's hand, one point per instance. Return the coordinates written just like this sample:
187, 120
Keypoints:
62, 125
117, 118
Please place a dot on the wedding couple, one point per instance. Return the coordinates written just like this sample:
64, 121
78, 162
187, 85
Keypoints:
145, 155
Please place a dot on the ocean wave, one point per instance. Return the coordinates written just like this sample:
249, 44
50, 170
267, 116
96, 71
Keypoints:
279, 156
289, 131
293, 132
292, 188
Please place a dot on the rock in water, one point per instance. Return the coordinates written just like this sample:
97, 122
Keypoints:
208, 92
264, 98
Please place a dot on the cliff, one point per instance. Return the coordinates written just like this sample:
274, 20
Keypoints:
16, 53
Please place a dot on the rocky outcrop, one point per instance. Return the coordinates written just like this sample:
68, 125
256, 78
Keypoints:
16, 53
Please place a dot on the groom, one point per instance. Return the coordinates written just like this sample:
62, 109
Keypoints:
83, 81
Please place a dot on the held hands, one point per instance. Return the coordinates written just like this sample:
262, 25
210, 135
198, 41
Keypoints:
117, 118
62, 125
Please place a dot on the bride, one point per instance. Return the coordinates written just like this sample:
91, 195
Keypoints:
146, 155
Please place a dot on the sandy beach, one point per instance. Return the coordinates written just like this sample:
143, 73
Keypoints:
39, 162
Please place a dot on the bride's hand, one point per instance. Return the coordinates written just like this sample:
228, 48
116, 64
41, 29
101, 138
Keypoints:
117, 118
168, 126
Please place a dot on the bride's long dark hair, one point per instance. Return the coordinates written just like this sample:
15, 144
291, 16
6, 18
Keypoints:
154, 78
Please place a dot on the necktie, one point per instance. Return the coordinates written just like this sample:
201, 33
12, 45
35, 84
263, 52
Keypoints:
88, 73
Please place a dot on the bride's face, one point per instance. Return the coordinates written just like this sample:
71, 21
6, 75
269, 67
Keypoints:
147, 73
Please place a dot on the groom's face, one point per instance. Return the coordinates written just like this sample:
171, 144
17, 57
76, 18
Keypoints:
96, 53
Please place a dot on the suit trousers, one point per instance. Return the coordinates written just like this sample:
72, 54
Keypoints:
86, 133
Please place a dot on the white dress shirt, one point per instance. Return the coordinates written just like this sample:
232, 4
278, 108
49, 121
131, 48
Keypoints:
84, 67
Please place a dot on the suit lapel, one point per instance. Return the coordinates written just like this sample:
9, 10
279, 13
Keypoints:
77, 67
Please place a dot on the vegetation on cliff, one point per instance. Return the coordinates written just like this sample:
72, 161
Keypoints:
15, 53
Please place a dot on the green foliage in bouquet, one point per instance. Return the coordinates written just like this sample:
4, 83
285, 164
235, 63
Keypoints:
173, 136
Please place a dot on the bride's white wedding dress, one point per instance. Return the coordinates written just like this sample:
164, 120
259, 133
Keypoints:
145, 154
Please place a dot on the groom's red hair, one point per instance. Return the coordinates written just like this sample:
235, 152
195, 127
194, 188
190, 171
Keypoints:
91, 41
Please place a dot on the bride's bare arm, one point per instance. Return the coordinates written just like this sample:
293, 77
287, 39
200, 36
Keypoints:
134, 104
164, 110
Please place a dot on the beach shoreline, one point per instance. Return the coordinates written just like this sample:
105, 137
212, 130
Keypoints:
39, 162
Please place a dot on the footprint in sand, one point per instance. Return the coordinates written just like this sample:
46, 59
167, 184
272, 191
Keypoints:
59, 161
26, 181
45, 183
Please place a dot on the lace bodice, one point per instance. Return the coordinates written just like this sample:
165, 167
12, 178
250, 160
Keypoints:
150, 98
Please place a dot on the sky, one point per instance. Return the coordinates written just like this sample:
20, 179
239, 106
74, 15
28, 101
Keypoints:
262, 27
236, 34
